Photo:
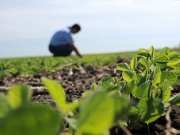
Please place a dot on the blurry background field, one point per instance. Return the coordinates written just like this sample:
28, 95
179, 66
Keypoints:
33, 65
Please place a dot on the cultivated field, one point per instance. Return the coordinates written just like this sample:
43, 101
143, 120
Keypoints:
107, 94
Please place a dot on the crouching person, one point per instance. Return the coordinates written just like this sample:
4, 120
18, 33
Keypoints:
62, 43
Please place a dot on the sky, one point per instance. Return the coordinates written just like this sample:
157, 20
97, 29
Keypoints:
107, 26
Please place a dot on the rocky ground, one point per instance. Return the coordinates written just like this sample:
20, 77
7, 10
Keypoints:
76, 81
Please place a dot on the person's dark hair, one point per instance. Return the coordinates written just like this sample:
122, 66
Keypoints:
77, 26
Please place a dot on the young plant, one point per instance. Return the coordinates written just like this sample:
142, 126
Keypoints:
150, 77
96, 112
21, 117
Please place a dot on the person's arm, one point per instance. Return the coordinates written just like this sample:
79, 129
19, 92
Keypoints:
76, 50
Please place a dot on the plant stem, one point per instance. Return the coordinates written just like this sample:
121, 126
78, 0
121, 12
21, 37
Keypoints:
125, 129
148, 129
168, 125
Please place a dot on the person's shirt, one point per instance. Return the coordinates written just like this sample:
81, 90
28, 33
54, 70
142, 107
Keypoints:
62, 37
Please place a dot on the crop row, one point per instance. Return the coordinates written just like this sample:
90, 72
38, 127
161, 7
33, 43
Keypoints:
35, 65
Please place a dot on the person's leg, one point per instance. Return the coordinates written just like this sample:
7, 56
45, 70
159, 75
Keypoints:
53, 50
61, 50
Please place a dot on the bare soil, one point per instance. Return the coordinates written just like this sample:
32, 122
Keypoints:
76, 81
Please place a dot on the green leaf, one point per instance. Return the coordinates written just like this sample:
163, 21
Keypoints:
143, 90
31, 120
96, 114
56, 91
129, 87
93, 86
123, 66
70, 106
177, 72
162, 58
19, 95
166, 93
116, 81
150, 109
144, 54
172, 77
121, 110
156, 75
144, 63
155, 91
109, 84
142, 50
13, 70
86, 93
164, 51
138, 78
175, 100
173, 55
133, 114
4, 105
72, 122
133, 63
152, 51
128, 75
122, 84
58, 94
174, 62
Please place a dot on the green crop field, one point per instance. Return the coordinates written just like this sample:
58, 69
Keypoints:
32, 65
143, 94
